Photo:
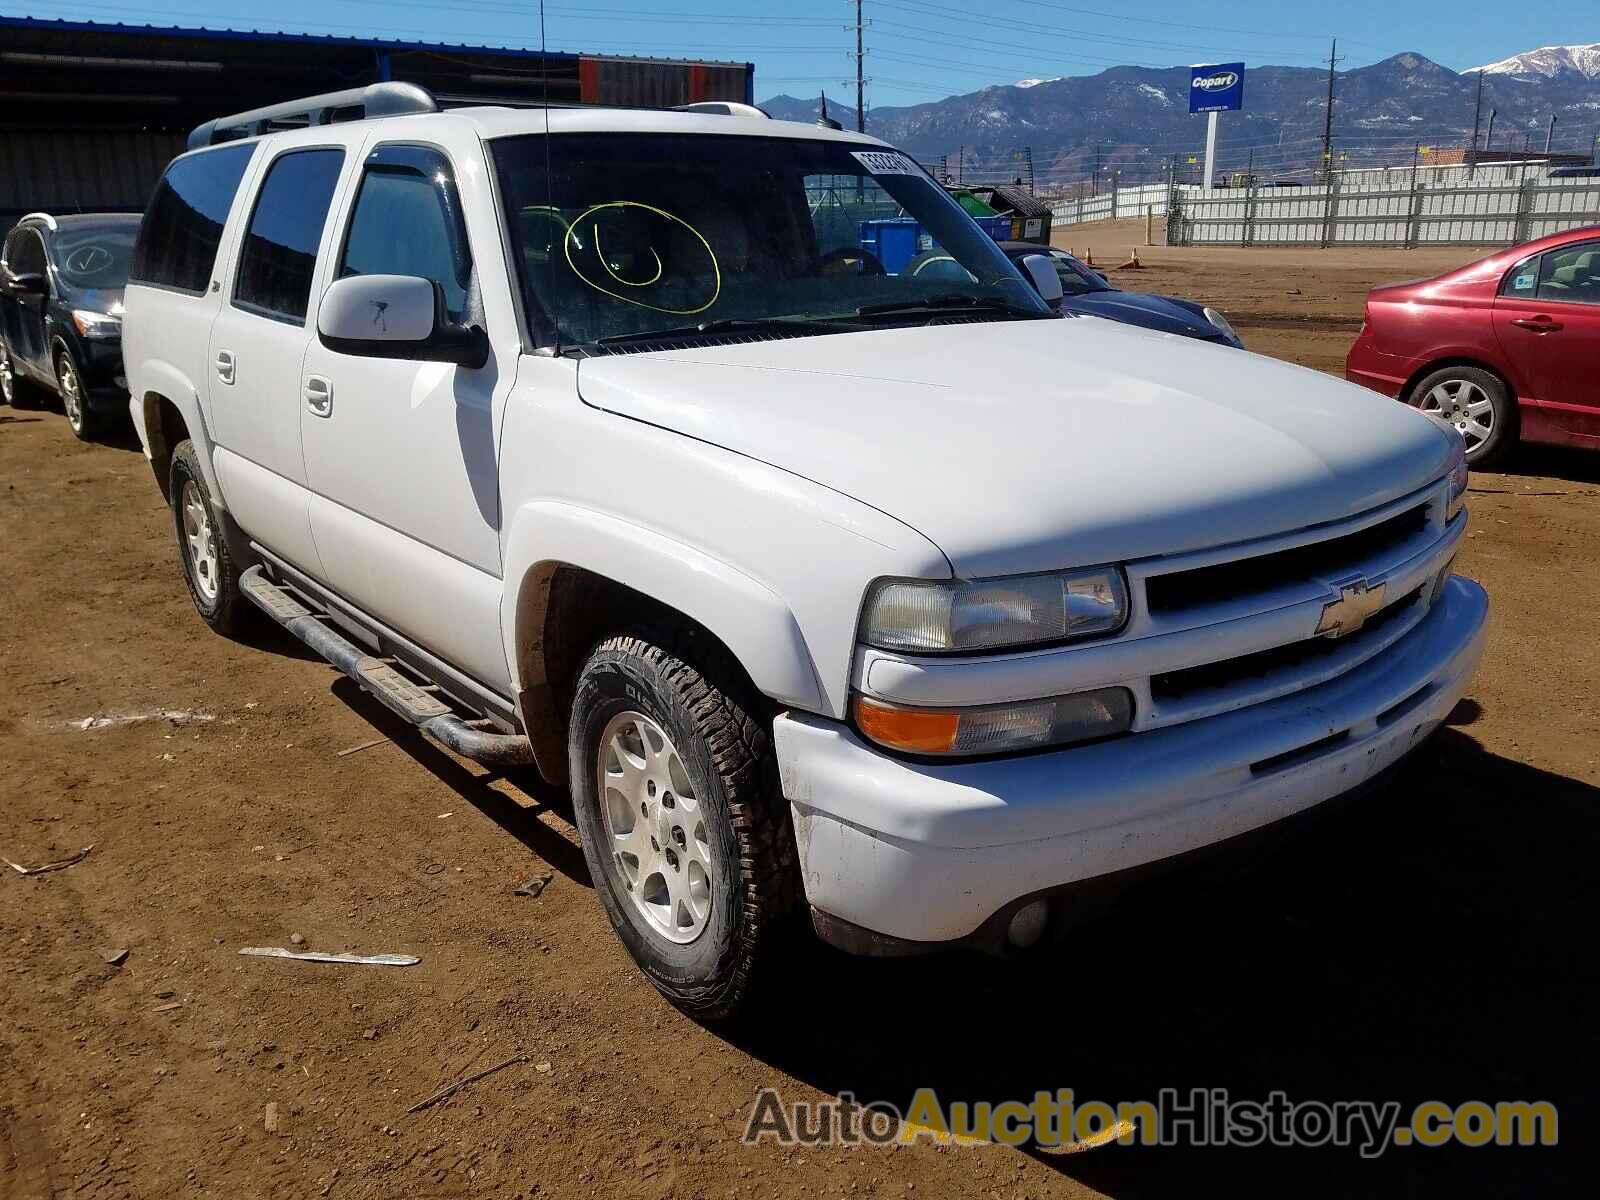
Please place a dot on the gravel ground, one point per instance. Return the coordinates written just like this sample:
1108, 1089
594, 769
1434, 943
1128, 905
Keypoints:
1425, 942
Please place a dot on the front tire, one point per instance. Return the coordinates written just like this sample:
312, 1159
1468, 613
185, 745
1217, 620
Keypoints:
208, 566
684, 826
1476, 404
74, 399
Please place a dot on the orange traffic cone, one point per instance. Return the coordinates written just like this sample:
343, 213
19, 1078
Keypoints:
1133, 264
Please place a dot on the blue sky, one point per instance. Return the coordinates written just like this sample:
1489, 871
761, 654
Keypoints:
917, 49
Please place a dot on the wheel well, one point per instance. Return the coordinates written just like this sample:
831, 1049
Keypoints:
1438, 365
563, 612
164, 429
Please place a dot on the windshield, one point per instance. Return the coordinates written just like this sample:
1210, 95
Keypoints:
97, 256
639, 233
1076, 279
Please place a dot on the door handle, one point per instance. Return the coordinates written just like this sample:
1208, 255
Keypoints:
225, 365
319, 396
1538, 324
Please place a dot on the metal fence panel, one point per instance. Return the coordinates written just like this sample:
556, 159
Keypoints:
1494, 209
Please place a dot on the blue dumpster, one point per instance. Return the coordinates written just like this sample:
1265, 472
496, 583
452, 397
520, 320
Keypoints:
894, 241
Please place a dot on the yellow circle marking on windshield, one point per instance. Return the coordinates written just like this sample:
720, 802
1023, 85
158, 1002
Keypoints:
601, 255
716, 269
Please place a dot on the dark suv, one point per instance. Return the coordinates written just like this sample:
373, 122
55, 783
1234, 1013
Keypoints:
61, 281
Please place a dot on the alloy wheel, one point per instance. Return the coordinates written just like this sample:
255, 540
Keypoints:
200, 543
657, 851
71, 393
8, 380
1465, 406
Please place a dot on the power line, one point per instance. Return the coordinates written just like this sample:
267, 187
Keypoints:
924, 7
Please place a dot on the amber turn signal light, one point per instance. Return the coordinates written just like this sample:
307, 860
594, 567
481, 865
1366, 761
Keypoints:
914, 730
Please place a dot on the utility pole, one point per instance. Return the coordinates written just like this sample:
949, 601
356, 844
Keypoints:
1027, 154
861, 83
1327, 119
1488, 134
1550, 133
1477, 115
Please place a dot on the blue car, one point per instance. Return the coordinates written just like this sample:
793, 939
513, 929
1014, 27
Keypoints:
1085, 291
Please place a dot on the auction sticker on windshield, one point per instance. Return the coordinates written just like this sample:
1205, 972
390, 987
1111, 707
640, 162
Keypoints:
885, 162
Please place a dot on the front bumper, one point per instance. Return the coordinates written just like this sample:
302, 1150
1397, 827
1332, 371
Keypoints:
928, 853
100, 363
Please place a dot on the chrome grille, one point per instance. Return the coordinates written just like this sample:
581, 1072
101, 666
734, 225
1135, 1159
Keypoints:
1296, 662
1222, 582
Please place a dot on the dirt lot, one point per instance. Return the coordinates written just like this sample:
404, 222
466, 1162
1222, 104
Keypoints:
1434, 940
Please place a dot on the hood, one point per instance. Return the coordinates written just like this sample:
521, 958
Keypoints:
1027, 445
1149, 312
101, 300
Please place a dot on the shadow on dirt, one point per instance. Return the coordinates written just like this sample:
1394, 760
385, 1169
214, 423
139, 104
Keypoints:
498, 797
119, 436
1545, 462
1430, 941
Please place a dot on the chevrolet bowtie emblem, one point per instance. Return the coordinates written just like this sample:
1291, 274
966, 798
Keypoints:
1356, 603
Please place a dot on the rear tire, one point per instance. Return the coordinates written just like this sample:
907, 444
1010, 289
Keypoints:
696, 885
14, 389
208, 566
1476, 404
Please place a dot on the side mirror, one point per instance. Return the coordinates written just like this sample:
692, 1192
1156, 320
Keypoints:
1043, 275
29, 283
396, 316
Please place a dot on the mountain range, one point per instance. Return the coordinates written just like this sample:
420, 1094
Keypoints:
1135, 118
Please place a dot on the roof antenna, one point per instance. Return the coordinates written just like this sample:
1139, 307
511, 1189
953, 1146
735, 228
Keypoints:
549, 180
823, 118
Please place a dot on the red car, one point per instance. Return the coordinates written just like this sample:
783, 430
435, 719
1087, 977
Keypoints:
1505, 349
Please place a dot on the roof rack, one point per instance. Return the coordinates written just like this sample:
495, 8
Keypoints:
724, 108
374, 100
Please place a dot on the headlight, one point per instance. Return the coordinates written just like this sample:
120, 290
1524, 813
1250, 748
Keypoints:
1221, 324
956, 616
997, 729
1458, 477
97, 324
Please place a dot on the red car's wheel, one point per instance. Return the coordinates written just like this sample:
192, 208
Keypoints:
1473, 402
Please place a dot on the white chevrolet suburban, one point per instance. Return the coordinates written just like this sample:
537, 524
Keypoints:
603, 441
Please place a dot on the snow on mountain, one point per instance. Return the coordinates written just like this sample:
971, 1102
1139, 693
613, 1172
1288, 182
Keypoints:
1028, 83
1547, 61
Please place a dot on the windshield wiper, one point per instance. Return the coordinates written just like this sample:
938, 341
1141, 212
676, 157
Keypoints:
947, 300
723, 325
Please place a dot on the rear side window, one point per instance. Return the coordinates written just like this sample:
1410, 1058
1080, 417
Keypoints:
1523, 279
407, 221
183, 225
279, 255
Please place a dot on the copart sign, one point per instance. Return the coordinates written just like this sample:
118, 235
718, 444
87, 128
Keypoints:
1218, 87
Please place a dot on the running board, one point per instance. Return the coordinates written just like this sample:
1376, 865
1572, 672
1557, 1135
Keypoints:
378, 676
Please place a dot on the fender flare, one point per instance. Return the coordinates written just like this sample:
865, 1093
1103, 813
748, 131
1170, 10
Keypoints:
752, 620
161, 379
